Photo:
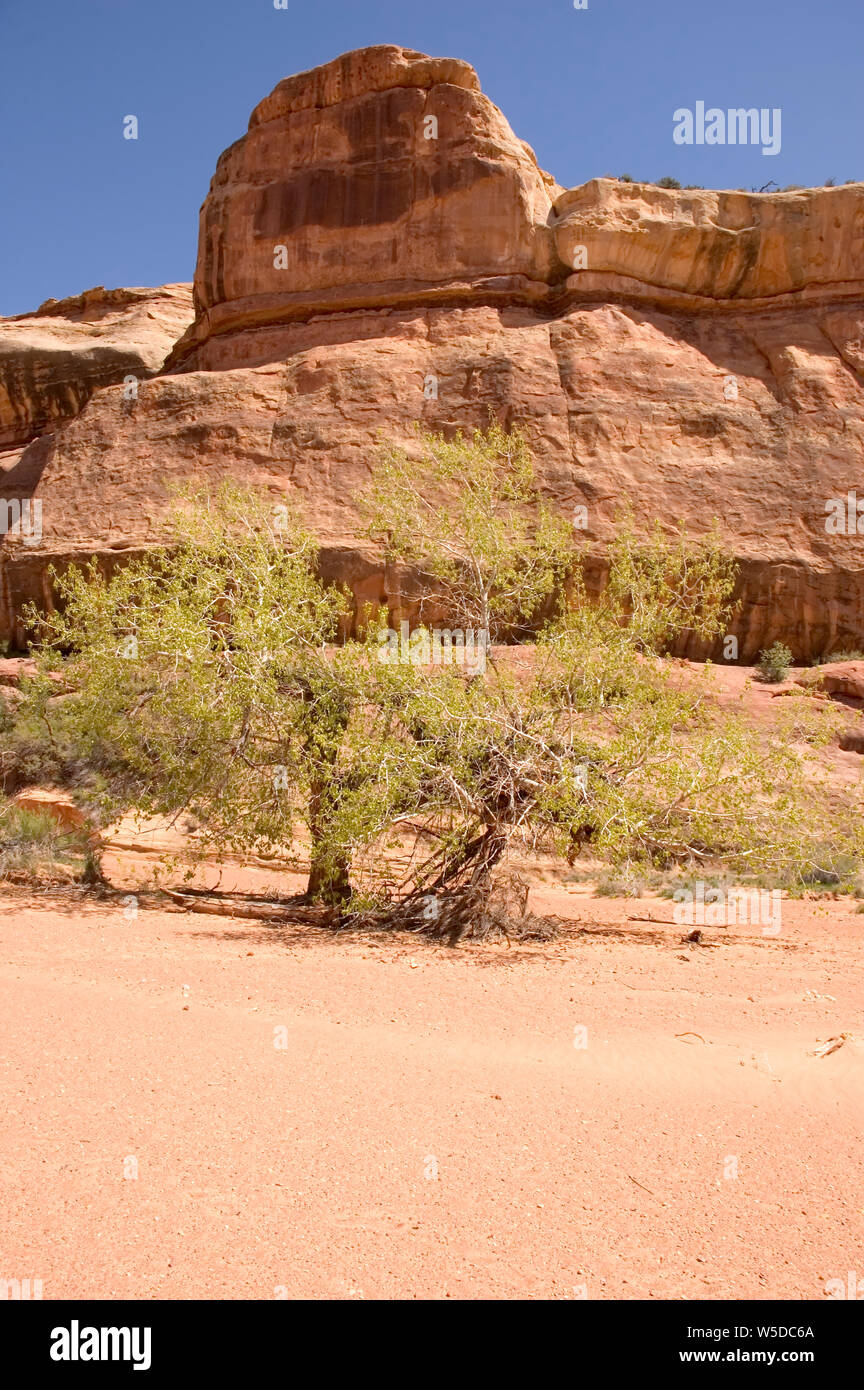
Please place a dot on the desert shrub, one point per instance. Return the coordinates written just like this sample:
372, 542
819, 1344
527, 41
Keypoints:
597, 748
774, 663
28, 755
38, 749
619, 886
853, 655
837, 873
467, 516
691, 878
31, 843
668, 182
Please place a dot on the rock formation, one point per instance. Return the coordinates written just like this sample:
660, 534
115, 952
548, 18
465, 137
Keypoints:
53, 360
389, 179
380, 248
734, 247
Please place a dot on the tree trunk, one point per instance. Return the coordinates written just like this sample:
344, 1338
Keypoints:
329, 874
328, 882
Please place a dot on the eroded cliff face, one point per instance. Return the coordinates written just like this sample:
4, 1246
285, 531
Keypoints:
386, 178
692, 354
728, 248
52, 361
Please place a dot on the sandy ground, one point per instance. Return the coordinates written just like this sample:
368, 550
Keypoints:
371, 1117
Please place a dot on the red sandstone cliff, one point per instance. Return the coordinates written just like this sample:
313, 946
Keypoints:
708, 360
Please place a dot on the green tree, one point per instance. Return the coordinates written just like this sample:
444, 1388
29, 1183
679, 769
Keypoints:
204, 680
594, 741
208, 677
466, 515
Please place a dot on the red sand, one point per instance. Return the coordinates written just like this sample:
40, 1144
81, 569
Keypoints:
311, 1171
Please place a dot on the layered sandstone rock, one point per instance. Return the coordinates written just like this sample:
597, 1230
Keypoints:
700, 369
386, 177
843, 680
53, 360
715, 246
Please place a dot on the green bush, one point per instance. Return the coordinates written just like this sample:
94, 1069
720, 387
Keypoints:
620, 886
774, 663
32, 842
35, 748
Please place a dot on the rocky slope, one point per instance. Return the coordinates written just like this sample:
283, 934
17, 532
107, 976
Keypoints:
380, 248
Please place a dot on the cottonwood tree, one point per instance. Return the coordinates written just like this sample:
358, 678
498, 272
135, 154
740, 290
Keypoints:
204, 679
466, 514
587, 739
207, 678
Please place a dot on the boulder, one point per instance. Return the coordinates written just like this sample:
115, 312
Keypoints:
57, 804
842, 680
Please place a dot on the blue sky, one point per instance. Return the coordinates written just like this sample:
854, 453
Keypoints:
593, 91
